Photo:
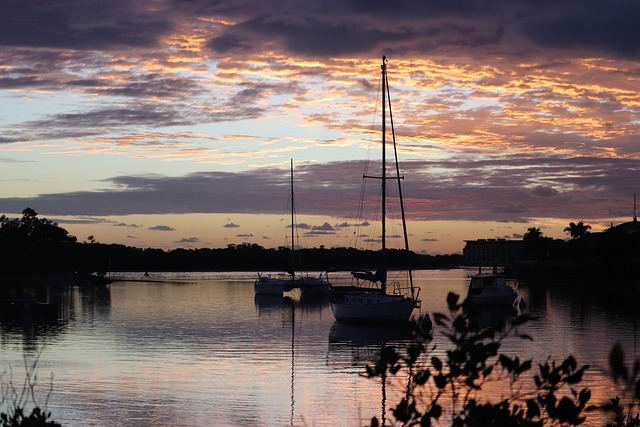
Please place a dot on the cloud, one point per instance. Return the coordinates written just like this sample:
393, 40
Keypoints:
586, 184
324, 227
189, 240
122, 224
244, 236
230, 225
162, 228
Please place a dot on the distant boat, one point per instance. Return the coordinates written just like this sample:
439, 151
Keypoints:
490, 289
373, 299
25, 305
314, 286
266, 285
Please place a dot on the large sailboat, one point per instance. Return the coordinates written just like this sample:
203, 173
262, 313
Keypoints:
374, 298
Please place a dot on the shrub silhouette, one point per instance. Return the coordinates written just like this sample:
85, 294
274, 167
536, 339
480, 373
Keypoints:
449, 387
14, 401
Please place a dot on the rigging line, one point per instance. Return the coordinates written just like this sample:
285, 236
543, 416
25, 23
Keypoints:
355, 240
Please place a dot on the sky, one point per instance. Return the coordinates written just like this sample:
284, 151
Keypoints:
173, 123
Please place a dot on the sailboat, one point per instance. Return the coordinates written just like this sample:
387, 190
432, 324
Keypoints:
373, 299
309, 286
267, 285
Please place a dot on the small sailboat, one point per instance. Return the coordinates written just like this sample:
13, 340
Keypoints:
267, 285
373, 298
309, 285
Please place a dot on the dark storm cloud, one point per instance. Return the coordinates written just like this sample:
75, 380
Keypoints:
82, 25
312, 36
326, 28
609, 27
495, 189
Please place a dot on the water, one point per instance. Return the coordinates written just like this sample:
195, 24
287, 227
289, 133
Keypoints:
199, 349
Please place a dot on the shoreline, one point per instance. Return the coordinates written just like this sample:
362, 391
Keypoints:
52, 279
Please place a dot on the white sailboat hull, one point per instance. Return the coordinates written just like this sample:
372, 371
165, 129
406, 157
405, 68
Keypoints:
372, 308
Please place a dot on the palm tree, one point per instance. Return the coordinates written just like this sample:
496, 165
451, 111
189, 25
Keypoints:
533, 233
577, 230
535, 244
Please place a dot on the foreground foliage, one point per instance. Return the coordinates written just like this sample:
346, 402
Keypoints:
14, 402
447, 390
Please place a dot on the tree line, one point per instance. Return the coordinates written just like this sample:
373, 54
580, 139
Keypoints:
37, 245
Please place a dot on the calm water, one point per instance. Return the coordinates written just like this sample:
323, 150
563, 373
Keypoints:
199, 349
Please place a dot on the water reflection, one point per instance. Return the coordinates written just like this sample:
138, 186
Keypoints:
492, 316
142, 348
69, 303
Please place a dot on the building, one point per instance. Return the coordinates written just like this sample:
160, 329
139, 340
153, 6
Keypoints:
492, 252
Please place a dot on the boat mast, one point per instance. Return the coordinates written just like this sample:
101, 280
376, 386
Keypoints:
293, 226
399, 178
384, 171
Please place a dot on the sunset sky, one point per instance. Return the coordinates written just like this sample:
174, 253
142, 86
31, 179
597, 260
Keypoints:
172, 123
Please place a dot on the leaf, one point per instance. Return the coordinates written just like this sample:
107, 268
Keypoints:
441, 319
533, 410
422, 377
566, 410
437, 363
441, 381
452, 301
436, 411
616, 362
585, 395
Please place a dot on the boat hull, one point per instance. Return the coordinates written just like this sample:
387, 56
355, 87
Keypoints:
314, 286
490, 289
372, 308
269, 286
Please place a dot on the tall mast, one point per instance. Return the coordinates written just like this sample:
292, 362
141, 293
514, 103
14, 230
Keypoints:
384, 170
293, 226
398, 178
635, 217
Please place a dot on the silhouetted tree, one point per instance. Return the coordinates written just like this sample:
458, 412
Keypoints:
536, 245
577, 230
33, 229
533, 233
31, 244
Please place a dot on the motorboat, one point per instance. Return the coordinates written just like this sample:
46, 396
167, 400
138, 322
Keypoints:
491, 289
267, 285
